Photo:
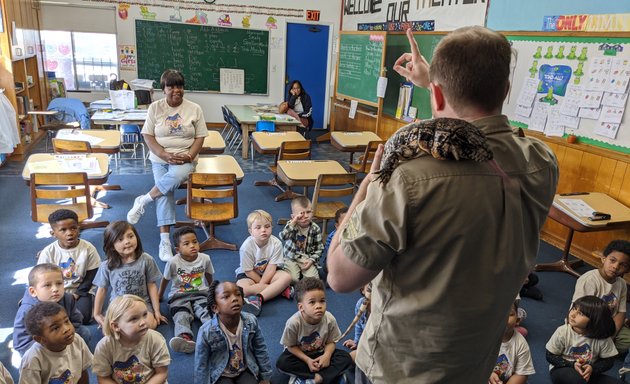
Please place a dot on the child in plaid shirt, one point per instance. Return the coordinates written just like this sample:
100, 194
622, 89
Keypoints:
303, 243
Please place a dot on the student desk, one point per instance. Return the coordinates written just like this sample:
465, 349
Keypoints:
213, 144
247, 117
219, 164
118, 118
560, 212
352, 141
45, 162
304, 173
268, 143
101, 141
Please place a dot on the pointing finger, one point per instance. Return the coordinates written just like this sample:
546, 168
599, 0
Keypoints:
415, 51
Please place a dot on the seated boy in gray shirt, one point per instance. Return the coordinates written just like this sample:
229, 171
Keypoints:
191, 272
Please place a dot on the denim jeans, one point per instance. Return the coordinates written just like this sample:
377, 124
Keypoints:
167, 178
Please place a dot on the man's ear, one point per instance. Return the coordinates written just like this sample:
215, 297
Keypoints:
437, 97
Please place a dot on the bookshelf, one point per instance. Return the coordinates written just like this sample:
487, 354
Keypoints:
21, 66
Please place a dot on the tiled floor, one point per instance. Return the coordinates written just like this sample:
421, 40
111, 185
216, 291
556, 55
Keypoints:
127, 166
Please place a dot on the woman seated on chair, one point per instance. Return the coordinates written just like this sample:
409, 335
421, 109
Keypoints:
174, 131
298, 105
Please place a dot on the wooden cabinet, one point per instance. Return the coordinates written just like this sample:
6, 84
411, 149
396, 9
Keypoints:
21, 63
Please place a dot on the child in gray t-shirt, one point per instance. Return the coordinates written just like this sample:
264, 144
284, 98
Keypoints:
190, 273
128, 270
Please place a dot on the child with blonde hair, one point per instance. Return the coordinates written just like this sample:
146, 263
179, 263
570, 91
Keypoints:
260, 273
130, 352
303, 243
127, 270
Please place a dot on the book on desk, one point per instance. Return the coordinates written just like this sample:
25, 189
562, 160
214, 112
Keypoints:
590, 208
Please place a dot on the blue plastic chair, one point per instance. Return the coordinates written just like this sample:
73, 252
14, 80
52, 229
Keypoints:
131, 139
262, 126
265, 126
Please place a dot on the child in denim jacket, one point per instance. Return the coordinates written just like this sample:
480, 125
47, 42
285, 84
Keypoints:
230, 347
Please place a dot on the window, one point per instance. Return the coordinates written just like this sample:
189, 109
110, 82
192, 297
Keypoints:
84, 60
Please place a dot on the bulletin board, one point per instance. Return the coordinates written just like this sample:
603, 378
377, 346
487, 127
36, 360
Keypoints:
577, 84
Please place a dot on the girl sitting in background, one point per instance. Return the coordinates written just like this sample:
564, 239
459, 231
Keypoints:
230, 347
128, 270
298, 105
130, 352
581, 350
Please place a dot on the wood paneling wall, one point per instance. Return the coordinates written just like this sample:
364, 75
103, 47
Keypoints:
584, 168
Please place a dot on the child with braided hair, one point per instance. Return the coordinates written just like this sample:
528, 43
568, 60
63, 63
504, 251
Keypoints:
232, 330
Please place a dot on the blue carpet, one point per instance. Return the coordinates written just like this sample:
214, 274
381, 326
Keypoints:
21, 239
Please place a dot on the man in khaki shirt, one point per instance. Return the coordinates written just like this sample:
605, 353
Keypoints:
448, 243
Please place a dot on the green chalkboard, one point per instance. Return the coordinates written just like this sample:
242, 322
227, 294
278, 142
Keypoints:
199, 51
397, 44
360, 64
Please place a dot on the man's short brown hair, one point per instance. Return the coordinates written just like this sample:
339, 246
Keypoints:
472, 65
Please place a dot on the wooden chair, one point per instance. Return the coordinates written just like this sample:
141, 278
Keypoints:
77, 146
366, 159
289, 150
344, 185
212, 198
71, 146
62, 186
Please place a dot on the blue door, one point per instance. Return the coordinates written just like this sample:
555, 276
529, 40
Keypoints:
307, 58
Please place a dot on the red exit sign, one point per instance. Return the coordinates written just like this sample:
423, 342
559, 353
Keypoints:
312, 15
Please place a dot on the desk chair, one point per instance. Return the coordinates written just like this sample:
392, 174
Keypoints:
76, 146
344, 185
237, 136
289, 150
365, 161
261, 126
62, 186
71, 113
212, 198
131, 139
227, 128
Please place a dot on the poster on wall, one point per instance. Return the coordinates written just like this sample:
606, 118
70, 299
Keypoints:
127, 57
446, 15
572, 86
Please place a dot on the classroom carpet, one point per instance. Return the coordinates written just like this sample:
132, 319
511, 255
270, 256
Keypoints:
21, 239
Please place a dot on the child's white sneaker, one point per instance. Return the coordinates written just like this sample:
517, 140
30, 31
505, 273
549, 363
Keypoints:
182, 345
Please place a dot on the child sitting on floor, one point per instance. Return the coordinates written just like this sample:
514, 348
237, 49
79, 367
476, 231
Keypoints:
310, 354
58, 355
361, 312
608, 284
514, 363
230, 347
339, 216
260, 273
191, 272
45, 284
302, 241
127, 270
581, 350
77, 258
130, 352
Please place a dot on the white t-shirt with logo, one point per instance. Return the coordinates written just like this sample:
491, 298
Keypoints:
74, 263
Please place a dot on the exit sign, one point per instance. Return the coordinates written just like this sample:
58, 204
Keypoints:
312, 15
